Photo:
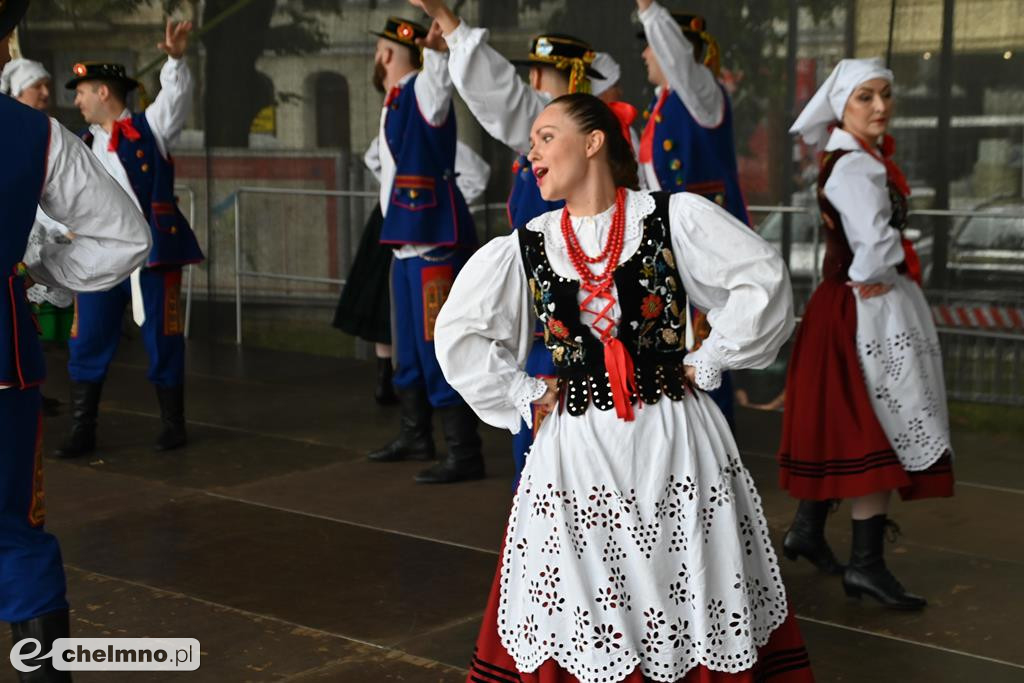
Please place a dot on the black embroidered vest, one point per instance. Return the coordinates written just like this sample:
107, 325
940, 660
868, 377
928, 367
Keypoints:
652, 325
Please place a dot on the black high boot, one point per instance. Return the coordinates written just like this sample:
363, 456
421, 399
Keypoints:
806, 537
384, 394
85, 403
464, 461
415, 440
867, 572
51, 406
172, 418
46, 629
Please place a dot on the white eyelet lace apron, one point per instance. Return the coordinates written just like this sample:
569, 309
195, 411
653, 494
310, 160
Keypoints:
638, 545
901, 360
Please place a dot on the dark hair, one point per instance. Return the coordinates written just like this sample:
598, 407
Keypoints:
415, 56
117, 89
591, 113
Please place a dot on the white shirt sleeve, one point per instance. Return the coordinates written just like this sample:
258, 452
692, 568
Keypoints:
434, 87
111, 236
739, 279
693, 83
504, 105
169, 111
471, 172
372, 158
857, 189
483, 335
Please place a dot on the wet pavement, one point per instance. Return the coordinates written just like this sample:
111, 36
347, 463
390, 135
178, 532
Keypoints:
289, 557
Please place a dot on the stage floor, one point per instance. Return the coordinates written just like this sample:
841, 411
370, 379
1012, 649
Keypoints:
290, 557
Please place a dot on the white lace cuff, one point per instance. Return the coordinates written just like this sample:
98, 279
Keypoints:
528, 390
709, 373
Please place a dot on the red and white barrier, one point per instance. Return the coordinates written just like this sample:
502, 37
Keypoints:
987, 317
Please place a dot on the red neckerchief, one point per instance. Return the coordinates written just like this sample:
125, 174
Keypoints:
122, 127
392, 96
895, 176
626, 114
884, 153
646, 155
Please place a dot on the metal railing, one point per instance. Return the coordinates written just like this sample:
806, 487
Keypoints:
981, 365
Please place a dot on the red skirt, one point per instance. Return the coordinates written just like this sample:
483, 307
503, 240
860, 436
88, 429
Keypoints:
783, 659
832, 444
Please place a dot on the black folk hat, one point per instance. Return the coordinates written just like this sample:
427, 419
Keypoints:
11, 13
402, 31
565, 53
100, 71
694, 26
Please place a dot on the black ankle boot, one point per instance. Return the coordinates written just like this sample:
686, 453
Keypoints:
463, 461
85, 403
384, 394
414, 441
806, 537
45, 629
172, 418
867, 572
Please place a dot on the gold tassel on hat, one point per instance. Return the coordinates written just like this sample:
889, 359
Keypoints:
713, 59
13, 45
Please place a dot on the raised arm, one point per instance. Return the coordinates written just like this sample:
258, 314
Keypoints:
487, 82
483, 335
111, 237
858, 190
169, 111
691, 82
434, 85
739, 279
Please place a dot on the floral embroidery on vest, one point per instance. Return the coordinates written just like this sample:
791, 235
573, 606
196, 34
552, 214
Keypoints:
652, 301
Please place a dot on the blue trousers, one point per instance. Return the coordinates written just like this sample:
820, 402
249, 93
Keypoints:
419, 287
31, 571
538, 364
96, 330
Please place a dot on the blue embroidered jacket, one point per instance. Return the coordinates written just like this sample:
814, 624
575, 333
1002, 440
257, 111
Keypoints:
23, 148
426, 206
689, 157
152, 179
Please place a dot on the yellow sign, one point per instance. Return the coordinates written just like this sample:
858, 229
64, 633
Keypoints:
265, 121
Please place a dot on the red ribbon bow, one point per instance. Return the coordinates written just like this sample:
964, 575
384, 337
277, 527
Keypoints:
122, 127
392, 96
626, 114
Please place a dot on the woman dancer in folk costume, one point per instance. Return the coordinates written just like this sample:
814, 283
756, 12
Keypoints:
865, 405
636, 548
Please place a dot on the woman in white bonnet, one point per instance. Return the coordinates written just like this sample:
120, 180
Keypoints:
28, 82
865, 405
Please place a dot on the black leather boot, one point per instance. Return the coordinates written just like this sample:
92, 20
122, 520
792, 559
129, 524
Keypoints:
867, 572
51, 406
415, 440
172, 418
806, 537
45, 629
85, 403
464, 461
385, 391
